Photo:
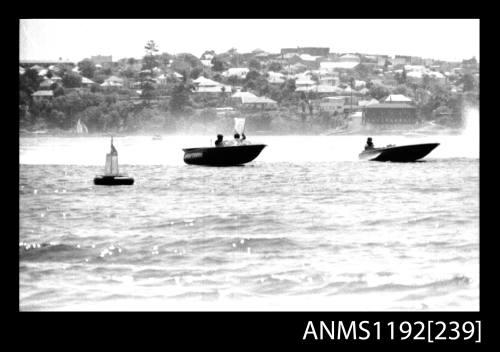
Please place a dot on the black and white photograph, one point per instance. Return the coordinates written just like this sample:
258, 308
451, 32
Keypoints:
314, 165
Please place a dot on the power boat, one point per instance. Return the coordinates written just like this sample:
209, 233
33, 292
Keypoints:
112, 176
223, 155
404, 153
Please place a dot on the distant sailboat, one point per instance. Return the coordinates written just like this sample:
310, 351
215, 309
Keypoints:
81, 128
112, 175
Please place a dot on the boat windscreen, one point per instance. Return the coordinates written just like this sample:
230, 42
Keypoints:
239, 125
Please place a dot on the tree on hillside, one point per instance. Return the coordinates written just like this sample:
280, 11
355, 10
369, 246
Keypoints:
186, 62
254, 64
87, 68
164, 59
275, 66
234, 80
72, 80
149, 60
363, 71
195, 73
218, 64
378, 91
180, 94
468, 81
29, 81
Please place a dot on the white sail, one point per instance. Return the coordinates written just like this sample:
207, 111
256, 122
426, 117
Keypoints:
81, 128
239, 125
111, 166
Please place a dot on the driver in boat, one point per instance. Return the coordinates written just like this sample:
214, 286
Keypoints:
369, 144
218, 142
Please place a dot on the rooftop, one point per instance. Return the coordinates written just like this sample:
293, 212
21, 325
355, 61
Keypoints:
390, 106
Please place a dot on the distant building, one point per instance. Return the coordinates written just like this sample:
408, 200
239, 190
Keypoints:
275, 77
240, 72
470, 64
87, 83
44, 63
46, 84
416, 60
428, 62
113, 81
382, 60
101, 59
401, 60
247, 100
338, 65
314, 51
389, 113
397, 98
349, 58
43, 94
304, 84
205, 85
332, 105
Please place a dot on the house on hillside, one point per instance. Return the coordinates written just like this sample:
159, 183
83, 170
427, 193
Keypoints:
46, 84
331, 105
338, 65
389, 114
275, 77
101, 59
247, 100
304, 84
113, 81
397, 98
87, 83
401, 60
239, 72
42, 94
205, 85
314, 51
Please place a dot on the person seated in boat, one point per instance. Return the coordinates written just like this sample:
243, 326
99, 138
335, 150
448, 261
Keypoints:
219, 142
237, 140
243, 137
369, 144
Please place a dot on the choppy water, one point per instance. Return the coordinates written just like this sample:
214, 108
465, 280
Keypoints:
306, 226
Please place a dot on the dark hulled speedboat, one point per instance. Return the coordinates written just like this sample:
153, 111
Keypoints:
223, 155
404, 153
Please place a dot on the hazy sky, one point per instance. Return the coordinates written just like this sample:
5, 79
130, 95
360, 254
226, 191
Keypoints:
76, 39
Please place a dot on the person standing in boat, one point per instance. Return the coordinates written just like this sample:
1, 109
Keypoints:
369, 144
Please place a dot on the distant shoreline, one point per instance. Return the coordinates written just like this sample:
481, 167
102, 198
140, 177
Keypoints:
327, 132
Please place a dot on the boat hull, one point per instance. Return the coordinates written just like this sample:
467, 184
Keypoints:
405, 153
222, 156
113, 180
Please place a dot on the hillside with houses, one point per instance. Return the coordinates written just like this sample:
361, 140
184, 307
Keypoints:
298, 90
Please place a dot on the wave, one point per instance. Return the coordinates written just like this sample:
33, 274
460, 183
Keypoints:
47, 251
360, 287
